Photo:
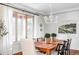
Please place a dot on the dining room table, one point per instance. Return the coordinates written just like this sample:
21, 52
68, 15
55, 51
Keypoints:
48, 48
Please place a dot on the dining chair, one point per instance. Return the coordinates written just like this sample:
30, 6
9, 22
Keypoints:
60, 48
28, 47
67, 47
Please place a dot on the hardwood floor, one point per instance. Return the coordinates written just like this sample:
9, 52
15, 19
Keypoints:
72, 52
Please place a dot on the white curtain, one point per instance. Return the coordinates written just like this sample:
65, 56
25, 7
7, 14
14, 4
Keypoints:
15, 27
10, 37
18, 26
30, 27
21, 27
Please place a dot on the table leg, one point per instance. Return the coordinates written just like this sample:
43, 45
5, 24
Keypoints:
48, 52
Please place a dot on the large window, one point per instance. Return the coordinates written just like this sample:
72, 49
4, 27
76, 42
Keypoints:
18, 25
23, 26
29, 27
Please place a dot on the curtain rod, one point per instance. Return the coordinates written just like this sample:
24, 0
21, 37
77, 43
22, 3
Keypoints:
19, 9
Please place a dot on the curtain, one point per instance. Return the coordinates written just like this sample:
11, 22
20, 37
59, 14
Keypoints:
30, 25
20, 26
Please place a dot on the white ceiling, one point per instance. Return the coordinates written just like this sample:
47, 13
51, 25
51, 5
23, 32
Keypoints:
45, 8
55, 7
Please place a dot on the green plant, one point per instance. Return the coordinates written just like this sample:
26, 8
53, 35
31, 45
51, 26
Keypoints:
47, 35
53, 34
3, 31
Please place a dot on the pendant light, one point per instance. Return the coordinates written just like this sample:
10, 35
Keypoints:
50, 18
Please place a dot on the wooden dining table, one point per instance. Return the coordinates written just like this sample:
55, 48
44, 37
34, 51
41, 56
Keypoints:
47, 47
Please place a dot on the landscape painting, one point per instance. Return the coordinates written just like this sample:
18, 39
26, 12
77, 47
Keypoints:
67, 28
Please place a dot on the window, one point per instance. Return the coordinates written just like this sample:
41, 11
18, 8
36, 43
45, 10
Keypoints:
29, 27
20, 25
23, 26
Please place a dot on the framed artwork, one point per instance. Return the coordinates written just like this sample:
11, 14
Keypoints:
67, 28
40, 25
40, 29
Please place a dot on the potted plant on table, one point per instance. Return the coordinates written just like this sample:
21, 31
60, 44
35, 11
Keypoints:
47, 38
53, 35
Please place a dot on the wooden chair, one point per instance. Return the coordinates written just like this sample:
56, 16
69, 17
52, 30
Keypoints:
67, 47
60, 48
64, 49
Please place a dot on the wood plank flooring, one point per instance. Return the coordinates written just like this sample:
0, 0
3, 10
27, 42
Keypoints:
72, 52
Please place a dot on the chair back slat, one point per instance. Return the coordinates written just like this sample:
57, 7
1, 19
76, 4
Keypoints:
68, 43
65, 47
60, 48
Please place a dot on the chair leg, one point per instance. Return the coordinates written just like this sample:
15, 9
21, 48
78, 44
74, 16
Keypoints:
58, 52
65, 52
69, 52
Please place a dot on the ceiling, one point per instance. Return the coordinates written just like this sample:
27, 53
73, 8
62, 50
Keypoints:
46, 8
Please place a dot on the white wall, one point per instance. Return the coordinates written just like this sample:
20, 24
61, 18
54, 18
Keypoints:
65, 18
50, 28
37, 21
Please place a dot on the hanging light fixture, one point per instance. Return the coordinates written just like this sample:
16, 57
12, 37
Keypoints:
50, 18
